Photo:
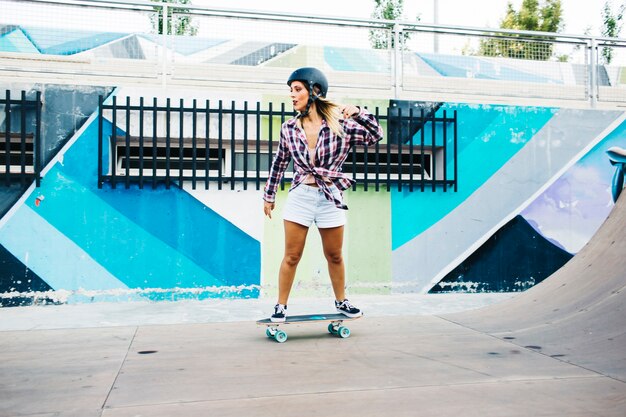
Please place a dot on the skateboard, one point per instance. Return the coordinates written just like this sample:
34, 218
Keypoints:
335, 325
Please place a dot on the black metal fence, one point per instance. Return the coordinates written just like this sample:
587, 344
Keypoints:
20, 139
216, 146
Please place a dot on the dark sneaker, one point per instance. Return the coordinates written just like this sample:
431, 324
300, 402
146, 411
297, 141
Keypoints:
280, 313
344, 307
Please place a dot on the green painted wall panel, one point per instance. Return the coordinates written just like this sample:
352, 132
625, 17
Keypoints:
367, 259
367, 245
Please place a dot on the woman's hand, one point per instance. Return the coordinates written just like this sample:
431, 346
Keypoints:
267, 208
349, 110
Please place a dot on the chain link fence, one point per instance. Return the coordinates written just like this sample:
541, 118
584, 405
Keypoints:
458, 61
175, 44
611, 70
83, 38
248, 46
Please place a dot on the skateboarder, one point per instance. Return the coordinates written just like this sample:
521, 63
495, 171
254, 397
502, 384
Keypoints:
318, 140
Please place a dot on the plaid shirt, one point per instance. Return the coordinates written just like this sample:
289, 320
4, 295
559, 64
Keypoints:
330, 153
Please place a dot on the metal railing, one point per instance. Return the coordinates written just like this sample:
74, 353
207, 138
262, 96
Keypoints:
217, 145
243, 48
20, 139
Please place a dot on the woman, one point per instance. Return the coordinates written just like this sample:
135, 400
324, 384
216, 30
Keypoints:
318, 140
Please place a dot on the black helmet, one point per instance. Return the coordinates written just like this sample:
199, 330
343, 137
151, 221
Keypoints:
311, 77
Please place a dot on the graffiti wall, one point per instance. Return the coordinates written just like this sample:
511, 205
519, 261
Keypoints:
537, 147
534, 185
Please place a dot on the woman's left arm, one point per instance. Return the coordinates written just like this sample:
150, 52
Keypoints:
361, 126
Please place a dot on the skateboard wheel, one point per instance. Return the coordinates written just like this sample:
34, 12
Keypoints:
269, 332
343, 332
332, 329
280, 336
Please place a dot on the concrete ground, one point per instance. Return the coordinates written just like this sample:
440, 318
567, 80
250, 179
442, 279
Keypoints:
192, 359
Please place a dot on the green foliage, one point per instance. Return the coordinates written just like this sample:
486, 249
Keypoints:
387, 10
180, 25
531, 17
612, 27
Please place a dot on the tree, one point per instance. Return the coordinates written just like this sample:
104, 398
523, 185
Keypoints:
180, 25
612, 27
530, 17
388, 10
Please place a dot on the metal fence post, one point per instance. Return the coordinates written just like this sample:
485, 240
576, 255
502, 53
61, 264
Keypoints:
7, 138
593, 72
100, 139
38, 146
165, 55
397, 61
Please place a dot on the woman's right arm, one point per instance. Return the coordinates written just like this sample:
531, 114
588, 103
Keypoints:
279, 165
363, 128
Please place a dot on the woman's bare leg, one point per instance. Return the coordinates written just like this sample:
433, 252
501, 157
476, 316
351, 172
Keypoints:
332, 242
295, 238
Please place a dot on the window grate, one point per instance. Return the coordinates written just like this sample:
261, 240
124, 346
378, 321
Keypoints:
20, 127
220, 146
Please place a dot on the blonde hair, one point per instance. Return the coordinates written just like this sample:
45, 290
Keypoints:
329, 111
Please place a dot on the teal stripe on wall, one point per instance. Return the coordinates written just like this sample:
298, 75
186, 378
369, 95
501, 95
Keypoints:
15, 41
185, 224
51, 255
171, 216
129, 252
488, 136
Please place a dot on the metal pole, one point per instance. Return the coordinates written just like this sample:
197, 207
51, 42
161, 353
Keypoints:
38, 149
593, 69
100, 139
397, 69
165, 54
436, 22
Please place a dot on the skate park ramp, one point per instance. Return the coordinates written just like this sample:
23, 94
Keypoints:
578, 314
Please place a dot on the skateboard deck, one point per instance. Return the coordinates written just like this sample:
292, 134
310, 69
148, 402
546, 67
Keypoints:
335, 325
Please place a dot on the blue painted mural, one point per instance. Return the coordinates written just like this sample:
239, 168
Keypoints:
79, 237
453, 233
489, 135
118, 243
533, 186
547, 233
571, 210
533, 259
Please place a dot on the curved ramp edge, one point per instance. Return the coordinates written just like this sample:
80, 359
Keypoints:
578, 314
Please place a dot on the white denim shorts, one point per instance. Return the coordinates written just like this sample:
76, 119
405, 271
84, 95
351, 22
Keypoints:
307, 205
